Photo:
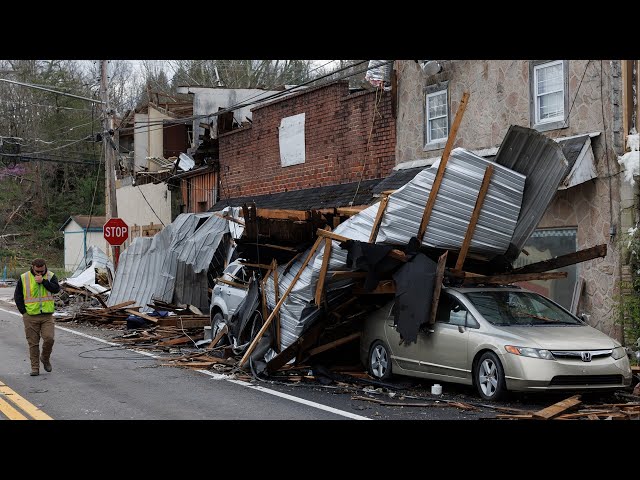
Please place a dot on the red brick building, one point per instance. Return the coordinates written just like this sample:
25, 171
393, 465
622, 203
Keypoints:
338, 135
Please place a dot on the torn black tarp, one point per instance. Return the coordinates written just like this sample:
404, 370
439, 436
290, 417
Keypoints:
414, 292
371, 258
246, 320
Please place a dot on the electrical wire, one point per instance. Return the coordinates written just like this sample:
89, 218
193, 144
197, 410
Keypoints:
606, 153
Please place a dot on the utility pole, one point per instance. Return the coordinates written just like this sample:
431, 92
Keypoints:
111, 204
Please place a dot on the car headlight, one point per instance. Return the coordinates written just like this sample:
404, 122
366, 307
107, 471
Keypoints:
618, 353
529, 352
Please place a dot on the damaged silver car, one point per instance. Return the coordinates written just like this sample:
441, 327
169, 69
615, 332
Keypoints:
498, 339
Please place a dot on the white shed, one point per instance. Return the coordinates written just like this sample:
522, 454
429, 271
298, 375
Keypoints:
81, 232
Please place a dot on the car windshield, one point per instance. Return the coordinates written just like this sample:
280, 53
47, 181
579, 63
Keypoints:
519, 308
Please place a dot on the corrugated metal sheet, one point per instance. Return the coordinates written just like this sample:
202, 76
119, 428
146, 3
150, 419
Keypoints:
541, 160
453, 209
96, 257
172, 264
454, 206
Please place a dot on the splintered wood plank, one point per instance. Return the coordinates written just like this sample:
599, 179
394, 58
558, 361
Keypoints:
192, 322
504, 416
284, 214
118, 306
233, 284
376, 224
218, 337
142, 315
276, 309
471, 228
511, 278
349, 211
323, 271
334, 344
442, 263
565, 260
442, 166
395, 253
557, 408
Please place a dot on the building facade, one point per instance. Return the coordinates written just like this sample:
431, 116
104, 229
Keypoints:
588, 103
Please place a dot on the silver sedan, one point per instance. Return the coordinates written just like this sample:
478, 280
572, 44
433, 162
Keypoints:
498, 339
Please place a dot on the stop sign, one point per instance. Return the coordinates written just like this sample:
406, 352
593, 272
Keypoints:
115, 231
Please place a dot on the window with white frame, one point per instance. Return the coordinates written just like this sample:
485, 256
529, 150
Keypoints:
549, 92
437, 117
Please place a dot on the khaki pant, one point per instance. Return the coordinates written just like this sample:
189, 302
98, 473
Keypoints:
35, 327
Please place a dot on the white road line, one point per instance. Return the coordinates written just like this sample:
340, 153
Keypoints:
219, 376
319, 406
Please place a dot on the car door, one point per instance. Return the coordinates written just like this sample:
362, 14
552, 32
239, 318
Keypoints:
444, 352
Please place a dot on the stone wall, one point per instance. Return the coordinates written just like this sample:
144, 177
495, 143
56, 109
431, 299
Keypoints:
499, 97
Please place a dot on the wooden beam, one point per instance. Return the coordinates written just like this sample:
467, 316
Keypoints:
512, 278
142, 315
304, 341
276, 309
233, 284
442, 263
557, 408
323, 271
564, 260
471, 228
277, 247
231, 219
218, 337
395, 253
283, 214
336, 343
443, 164
256, 265
349, 211
376, 223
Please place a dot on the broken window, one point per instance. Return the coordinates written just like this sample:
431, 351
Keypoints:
549, 90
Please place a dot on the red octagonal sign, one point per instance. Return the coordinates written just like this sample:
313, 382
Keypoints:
116, 231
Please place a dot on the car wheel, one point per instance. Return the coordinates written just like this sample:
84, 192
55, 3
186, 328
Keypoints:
489, 377
379, 361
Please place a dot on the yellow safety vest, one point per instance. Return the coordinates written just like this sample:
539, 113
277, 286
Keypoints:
37, 299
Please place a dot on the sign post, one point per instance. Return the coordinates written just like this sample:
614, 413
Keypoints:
115, 232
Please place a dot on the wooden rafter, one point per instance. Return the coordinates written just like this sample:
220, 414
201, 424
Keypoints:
441, 168
276, 309
564, 260
471, 228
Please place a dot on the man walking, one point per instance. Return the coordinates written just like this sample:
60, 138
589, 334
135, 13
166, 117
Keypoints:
34, 298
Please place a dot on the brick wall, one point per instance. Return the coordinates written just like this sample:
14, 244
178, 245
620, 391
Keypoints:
344, 134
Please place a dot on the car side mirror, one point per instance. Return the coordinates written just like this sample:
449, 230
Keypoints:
585, 317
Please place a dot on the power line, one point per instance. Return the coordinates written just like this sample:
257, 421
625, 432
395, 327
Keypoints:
30, 85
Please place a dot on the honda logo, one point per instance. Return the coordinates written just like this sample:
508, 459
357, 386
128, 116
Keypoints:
586, 356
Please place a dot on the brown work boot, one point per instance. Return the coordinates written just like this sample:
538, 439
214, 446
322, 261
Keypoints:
34, 373
46, 364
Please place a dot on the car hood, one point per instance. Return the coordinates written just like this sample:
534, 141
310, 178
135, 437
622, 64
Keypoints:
559, 337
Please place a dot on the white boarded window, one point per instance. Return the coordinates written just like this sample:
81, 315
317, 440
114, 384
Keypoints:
549, 94
291, 137
437, 116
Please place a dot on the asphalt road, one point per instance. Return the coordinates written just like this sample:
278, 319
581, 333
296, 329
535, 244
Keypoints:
94, 378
